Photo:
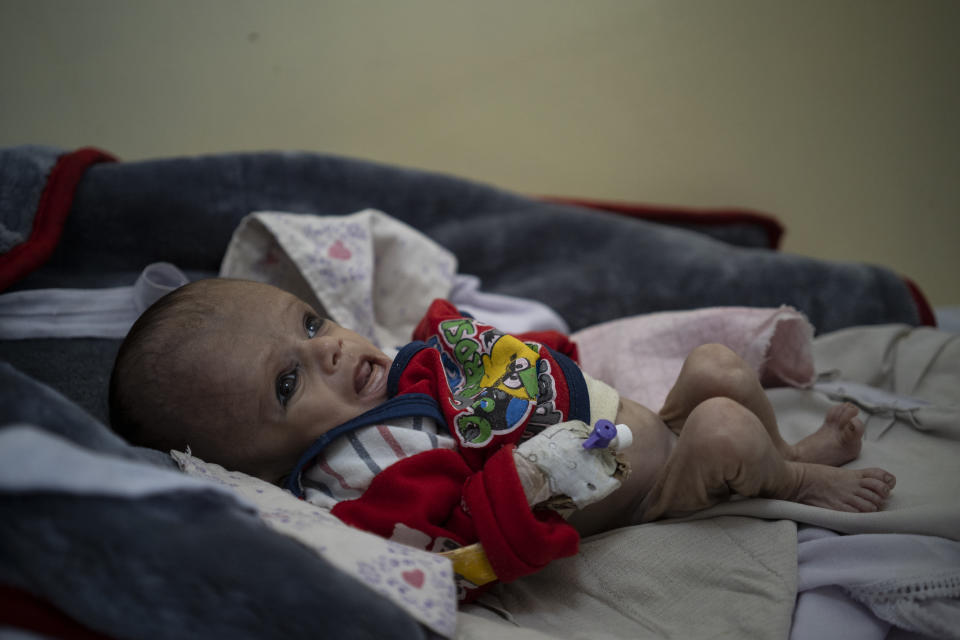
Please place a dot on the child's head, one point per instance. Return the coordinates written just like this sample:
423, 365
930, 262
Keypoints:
244, 373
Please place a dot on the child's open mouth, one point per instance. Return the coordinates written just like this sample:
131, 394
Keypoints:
369, 379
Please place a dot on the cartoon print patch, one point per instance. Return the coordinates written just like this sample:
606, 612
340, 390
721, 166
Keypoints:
546, 413
494, 380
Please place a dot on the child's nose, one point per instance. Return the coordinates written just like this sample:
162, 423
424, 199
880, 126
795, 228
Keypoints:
329, 351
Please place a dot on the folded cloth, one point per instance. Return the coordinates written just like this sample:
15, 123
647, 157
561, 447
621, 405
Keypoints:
368, 272
509, 313
902, 373
401, 283
641, 356
909, 581
34, 460
85, 313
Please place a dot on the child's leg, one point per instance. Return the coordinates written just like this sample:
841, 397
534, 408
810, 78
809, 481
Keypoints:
729, 442
714, 371
724, 448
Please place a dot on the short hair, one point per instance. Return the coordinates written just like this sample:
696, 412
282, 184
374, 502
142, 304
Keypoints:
144, 403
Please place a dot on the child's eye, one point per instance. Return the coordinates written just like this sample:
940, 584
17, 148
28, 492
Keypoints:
286, 386
312, 324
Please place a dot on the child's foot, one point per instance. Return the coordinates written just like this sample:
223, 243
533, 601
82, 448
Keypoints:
836, 442
857, 490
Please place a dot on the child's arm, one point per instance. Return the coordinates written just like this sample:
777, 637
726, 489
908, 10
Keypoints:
574, 461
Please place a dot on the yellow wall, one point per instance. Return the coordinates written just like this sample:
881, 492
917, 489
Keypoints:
839, 116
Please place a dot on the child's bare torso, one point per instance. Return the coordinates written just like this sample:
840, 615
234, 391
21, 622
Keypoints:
652, 444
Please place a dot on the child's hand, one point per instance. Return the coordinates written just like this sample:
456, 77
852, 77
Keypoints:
584, 475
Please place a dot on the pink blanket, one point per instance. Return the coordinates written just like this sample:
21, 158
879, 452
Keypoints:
641, 356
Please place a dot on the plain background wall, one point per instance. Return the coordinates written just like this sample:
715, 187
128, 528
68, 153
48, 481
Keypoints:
838, 116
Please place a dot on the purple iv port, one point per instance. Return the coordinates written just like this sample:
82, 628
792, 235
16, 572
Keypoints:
603, 434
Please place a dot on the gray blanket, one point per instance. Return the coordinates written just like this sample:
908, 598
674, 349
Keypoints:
590, 266
177, 564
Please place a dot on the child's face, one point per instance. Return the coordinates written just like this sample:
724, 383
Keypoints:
281, 377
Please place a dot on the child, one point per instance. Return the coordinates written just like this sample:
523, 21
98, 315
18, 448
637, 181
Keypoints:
248, 376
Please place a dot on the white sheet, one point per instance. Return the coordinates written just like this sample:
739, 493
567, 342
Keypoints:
85, 313
868, 576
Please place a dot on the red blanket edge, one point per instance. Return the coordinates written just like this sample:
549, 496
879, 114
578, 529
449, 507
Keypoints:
52, 210
925, 311
656, 213
773, 227
25, 611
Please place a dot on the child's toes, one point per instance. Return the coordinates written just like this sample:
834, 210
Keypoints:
847, 411
858, 427
835, 414
874, 497
881, 489
879, 475
851, 431
860, 503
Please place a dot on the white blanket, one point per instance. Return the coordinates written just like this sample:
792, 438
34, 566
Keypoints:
905, 580
368, 272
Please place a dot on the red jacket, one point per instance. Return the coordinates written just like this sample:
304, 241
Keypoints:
492, 390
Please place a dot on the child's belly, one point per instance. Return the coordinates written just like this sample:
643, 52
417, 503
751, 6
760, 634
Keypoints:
652, 444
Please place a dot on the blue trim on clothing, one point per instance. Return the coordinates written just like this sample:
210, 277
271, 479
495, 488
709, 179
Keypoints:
576, 385
400, 364
403, 406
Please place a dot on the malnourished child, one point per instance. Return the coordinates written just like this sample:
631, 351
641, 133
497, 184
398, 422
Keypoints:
250, 377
